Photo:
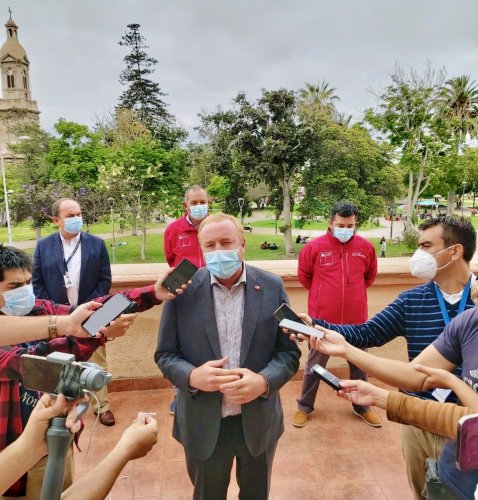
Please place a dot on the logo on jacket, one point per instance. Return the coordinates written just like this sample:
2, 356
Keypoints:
184, 240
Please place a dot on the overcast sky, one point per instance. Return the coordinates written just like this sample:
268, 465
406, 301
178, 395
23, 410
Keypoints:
208, 50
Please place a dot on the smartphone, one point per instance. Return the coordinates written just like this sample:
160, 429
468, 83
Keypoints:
327, 377
302, 328
42, 375
285, 312
467, 443
182, 273
112, 308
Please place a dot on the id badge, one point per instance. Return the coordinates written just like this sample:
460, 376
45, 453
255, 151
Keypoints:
67, 280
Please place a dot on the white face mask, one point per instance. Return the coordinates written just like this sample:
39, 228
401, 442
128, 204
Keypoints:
424, 265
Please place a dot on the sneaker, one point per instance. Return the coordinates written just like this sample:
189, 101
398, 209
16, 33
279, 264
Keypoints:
370, 417
300, 418
172, 406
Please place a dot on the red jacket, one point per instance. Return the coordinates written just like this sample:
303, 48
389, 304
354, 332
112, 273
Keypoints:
337, 275
181, 242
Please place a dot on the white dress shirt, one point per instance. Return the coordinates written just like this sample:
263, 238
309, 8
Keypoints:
74, 266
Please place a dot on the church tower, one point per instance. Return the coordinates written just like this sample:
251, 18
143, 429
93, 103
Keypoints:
16, 105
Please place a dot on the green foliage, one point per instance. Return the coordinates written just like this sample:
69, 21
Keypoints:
219, 188
410, 238
34, 189
142, 94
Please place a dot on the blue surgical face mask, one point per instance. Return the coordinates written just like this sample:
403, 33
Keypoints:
73, 225
222, 263
198, 212
19, 301
343, 234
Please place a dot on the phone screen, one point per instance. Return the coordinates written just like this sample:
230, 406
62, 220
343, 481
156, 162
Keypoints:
40, 374
285, 312
111, 309
182, 273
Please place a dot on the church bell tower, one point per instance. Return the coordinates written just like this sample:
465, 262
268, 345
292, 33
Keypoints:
17, 107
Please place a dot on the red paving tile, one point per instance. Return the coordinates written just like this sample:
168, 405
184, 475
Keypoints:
336, 456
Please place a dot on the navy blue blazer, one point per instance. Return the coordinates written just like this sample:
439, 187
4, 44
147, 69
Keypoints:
95, 273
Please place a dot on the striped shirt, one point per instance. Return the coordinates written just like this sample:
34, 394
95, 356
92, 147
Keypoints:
415, 315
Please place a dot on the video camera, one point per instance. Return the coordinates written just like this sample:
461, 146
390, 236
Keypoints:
59, 373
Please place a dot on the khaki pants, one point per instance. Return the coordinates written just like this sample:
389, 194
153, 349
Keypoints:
99, 357
36, 473
417, 446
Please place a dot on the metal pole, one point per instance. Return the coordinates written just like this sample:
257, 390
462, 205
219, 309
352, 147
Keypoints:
114, 241
9, 225
463, 198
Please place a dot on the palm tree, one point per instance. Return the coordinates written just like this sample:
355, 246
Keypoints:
458, 104
320, 97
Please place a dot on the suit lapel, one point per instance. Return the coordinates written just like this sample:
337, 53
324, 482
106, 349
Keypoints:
252, 307
57, 250
206, 312
85, 254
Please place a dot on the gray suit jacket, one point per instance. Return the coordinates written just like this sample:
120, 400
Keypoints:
188, 337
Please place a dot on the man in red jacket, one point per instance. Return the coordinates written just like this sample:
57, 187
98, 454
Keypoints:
336, 269
181, 236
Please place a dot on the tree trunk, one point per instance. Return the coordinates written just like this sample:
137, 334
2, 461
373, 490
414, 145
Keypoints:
409, 213
289, 248
134, 220
450, 203
38, 233
143, 238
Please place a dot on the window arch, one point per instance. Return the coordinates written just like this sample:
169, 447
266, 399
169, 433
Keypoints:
10, 79
25, 80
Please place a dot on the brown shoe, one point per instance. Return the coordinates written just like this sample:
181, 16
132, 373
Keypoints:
300, 418
370, 417
107, 418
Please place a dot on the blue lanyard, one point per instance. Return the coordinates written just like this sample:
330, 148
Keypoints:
461, 307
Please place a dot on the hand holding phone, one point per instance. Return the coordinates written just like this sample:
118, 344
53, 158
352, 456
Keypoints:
302, 328
467, 443
112, 308
180, 276
285, 312
327, 377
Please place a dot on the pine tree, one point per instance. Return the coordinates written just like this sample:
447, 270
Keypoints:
143, 94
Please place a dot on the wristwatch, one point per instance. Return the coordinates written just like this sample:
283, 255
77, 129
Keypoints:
52, 327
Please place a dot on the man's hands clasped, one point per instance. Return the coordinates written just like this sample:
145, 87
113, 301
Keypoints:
239, 385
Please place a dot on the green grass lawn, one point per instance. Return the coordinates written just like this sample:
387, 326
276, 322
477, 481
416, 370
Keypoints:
130, 253
271, 223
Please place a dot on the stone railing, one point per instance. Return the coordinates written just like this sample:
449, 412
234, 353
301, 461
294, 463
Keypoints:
130, 358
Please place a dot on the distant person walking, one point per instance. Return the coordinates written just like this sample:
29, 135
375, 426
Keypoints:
383, 246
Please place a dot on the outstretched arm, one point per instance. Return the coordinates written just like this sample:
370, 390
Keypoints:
136, 441
393, 372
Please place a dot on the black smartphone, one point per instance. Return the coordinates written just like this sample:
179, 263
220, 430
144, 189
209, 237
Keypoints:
112, 308
327, 377
182, 273
285, 312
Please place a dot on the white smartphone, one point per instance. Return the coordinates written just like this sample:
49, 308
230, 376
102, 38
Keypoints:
295, 327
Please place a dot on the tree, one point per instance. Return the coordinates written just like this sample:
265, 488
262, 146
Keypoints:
318, 98
406, 119
142, 94
218, 188
458, 111
34, 188
139, 174
261, 141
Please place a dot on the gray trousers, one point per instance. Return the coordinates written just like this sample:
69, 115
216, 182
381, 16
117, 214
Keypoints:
211, 477
311, 382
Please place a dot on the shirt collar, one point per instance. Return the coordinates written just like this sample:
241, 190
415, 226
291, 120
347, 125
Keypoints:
70, 242
242, 277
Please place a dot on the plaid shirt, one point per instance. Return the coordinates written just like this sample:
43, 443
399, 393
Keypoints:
11, 425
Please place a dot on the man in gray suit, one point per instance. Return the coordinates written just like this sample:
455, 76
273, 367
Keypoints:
221, 346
